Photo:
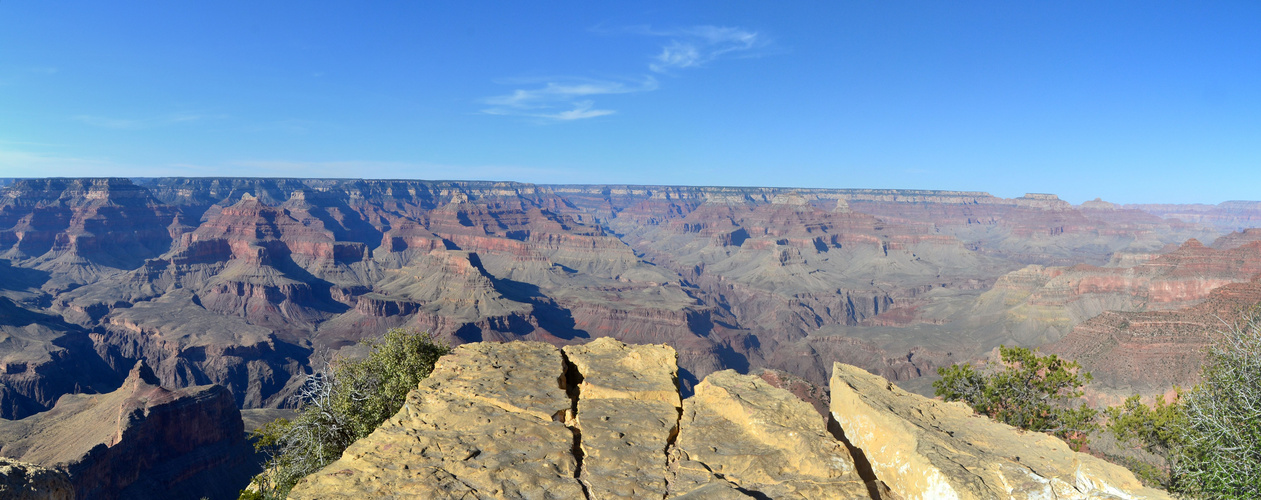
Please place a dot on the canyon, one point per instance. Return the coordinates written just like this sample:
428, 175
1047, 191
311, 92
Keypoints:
252, 284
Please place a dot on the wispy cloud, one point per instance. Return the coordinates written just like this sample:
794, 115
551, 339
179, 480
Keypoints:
11, 75
698, 45
143, 123
563, 99
290, 126
571, 98
106, 122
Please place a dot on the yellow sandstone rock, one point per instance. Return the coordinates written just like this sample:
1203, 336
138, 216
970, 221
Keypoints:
525, 420
931, 450
628, 414
488, 423
739, 429
611, 369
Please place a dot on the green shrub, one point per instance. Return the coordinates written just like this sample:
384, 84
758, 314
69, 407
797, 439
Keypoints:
1210, 436
1160, 430
341, 405
1222, 453
1029, 391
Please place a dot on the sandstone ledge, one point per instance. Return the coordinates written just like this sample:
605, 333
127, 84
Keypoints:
602, 420
931, 450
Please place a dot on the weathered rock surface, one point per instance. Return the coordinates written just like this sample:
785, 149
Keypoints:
27, 481
488, 423
499, 421
628, 414
927, 449
140, 441
740, 430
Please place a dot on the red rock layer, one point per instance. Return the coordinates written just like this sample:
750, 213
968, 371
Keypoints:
1150, 351
108, 222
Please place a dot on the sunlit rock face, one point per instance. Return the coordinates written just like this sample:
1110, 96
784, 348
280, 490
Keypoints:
1151, 351
601, 420
605, 420
927, 449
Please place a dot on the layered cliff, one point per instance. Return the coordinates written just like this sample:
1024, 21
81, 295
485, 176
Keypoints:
1151, 351
1059, 298
140, 441
1228, 215
606, 420
240, 281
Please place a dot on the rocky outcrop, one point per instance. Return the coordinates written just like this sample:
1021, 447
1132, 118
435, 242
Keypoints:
628, 414
27, 481
488, 422
140, 441
763, 441
605, 420
601, 420
930, 450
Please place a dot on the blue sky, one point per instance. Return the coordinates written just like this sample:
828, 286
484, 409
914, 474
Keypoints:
1130, 101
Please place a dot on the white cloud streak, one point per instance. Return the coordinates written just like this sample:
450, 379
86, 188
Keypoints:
23, 163
570, 99
396, 170
563, 99
698, 45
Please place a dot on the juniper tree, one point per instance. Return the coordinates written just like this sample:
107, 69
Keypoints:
1027, 391
340, 405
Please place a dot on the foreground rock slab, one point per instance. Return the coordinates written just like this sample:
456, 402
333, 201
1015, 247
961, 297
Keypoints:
488, 423
740, 430
628, 414
930, 450
598, 421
